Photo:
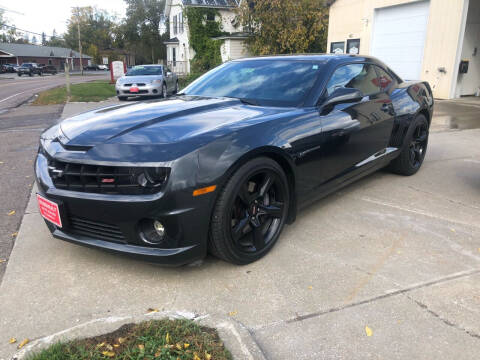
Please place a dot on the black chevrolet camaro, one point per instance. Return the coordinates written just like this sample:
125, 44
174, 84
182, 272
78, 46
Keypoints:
226, 163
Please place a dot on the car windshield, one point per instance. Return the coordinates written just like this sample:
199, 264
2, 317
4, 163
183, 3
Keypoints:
262, 82
144, 70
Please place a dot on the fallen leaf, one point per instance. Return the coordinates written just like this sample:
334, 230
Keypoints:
368, 331
186, 345
310, 287
109, 347
196, 357
2, 261
141, 347
178, 346
1, 162
23, 343
116, 345
232, 313
108, 353
478, 249
452, 229
100, 345
208, 356
158, 353
15, 234
167, 338
11, 213
12, 340
151, 310
121, 340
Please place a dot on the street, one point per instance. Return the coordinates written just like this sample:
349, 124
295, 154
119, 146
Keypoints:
15, 90
20, 127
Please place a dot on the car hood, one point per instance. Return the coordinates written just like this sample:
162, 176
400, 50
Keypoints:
170, 121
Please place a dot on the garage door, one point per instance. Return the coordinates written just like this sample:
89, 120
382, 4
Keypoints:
399, 37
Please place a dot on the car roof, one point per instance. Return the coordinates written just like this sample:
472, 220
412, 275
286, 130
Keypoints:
339, 58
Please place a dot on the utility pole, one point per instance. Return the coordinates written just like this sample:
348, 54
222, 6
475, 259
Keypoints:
79, 41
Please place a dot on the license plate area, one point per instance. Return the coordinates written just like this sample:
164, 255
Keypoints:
49, 210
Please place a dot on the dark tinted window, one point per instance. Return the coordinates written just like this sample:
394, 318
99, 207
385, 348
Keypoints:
144, 70
384, 79
358, 76
269, 82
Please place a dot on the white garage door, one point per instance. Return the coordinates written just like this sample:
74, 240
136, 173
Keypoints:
399, 37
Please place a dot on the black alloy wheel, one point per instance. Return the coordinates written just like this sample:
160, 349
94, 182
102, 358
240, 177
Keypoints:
418, 145
411, 157
250, 212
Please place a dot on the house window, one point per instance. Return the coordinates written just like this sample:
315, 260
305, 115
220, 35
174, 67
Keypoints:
337, 47
353, 46
175, 29
180, 23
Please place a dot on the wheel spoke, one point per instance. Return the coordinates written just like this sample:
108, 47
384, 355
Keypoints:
237, 230
258, 239
274, 210
421, 138
266, 184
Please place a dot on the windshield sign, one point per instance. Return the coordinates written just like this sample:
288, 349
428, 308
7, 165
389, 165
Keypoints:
144, 70
267, 82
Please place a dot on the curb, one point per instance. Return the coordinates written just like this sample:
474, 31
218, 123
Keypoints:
236, 337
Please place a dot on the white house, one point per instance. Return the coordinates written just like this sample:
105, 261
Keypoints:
179, 51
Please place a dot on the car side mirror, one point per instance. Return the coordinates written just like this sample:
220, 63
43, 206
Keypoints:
343, 95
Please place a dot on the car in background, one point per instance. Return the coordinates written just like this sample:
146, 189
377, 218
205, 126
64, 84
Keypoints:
29, 69
92, 67
102, 67
10, 68
48, 69
147, 80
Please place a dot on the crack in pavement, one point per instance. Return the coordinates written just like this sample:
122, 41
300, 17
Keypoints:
371, 300
442, 319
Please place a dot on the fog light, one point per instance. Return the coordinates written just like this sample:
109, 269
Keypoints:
152, 232
159, 228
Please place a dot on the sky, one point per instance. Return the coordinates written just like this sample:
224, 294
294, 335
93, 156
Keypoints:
45, 15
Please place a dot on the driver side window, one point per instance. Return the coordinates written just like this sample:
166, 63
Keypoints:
357, 76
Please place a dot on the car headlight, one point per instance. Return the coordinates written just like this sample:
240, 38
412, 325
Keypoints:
158, 81
153, 177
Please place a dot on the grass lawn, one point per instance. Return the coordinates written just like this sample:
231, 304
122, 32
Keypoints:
158, 339
84, 92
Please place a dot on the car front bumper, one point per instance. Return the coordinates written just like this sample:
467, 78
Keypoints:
144, 90
112, 222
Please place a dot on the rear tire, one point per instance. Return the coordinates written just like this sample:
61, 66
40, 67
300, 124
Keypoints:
411, 158
250, 212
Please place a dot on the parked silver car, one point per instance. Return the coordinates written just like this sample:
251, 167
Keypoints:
147, 80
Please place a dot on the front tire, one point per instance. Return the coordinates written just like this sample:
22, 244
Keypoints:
164, 91
250, 212
122, 98
411, 158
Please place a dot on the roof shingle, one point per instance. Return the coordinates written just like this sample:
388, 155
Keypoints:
40, 51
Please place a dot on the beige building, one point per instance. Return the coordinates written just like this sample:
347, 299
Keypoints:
433, 40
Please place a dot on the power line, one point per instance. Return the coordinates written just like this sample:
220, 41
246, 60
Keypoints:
31, 32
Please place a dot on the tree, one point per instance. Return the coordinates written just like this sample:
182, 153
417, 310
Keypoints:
34, 40
141, 29
55, 40
96, 28
44, 39
285, 26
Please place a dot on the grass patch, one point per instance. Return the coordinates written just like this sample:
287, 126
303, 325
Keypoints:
84, 92
157, 339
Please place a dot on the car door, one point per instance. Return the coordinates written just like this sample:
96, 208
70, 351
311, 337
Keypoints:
354, 134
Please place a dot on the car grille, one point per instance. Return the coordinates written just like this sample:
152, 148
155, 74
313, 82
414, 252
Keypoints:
136, 92
96, 230
99, 179
138, 84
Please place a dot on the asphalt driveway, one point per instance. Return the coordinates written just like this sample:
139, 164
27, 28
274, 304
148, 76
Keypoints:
396, 258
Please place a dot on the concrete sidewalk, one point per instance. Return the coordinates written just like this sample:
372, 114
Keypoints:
400, 255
